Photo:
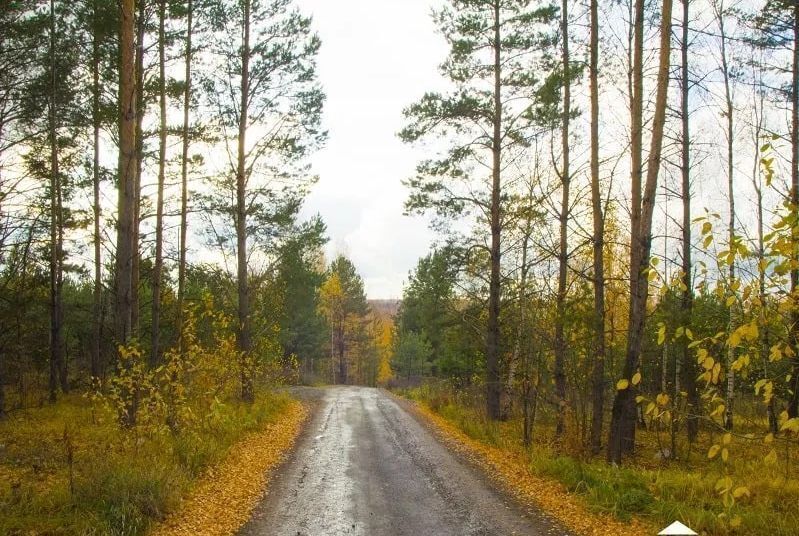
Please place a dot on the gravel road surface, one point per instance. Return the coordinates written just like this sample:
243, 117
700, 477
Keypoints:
366, 466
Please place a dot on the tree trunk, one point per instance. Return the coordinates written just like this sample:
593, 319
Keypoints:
563, 254
493, 380
342, 362
184, 174
57, 365
159, 211
793, 404
621, 435
2, 386
507, 392
127, 172
136, 267
728, 112
622, 429
688, 365
244, 341
598, 372
98, 282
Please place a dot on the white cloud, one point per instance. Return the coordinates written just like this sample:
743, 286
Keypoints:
373, 63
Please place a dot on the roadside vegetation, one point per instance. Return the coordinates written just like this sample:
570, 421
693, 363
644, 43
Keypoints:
648, 489
70, 469
614, 295
154, 296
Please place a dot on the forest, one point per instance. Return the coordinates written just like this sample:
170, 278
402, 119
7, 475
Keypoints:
611, 301
615, 186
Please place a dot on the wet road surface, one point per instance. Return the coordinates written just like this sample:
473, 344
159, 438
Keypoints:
365, 466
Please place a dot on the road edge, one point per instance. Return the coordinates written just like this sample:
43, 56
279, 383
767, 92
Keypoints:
508, 475
225, 497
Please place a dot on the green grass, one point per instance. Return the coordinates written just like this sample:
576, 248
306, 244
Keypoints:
122, 481
656, 492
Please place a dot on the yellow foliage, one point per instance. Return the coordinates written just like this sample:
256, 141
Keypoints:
512, 471
385, 342
224, 498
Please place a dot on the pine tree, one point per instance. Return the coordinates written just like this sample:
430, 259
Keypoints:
489, 116
266, 92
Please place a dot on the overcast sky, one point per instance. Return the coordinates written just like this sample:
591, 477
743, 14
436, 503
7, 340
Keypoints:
377, 57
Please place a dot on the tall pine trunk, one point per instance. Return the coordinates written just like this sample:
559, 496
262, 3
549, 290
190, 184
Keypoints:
563, 250
623, 418
598, 370
136, 268
127, 171
97, 304
793, 403
493, 381
244, 337
184, 173
687, 366
621, 435
159, 211
57, 363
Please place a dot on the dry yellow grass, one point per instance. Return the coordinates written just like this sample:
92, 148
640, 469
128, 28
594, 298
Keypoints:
511, 471
224, 498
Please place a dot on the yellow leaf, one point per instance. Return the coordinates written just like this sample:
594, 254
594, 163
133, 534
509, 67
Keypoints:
716, 372
791, 425
725, 454
759, 385
740, 491
735, 339
771, 457
714, 450
727, 439
621, 385
768, 439
636, 378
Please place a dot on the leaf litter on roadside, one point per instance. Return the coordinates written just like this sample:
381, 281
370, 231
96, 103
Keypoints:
511, 471
224, 498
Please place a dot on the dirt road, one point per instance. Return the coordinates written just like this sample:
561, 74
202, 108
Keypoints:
365, 466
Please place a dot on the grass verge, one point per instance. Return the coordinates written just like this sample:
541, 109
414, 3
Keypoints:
591, 497
223, 499
70, 469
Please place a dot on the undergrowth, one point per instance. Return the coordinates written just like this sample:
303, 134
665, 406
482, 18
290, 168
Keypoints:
658, 493
118, 481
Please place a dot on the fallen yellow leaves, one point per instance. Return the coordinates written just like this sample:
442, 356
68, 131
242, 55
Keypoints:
511, 471
223, 499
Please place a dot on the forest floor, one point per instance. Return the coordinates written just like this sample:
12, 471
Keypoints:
68, 468
642, 497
